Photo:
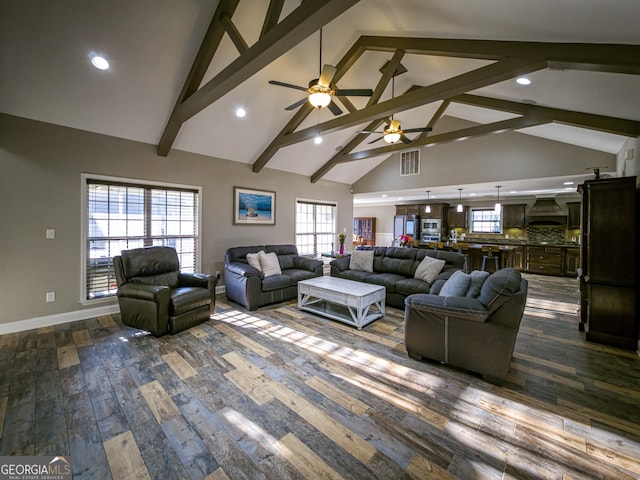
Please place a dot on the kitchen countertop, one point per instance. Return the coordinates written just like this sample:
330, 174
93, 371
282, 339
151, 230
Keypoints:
507, 245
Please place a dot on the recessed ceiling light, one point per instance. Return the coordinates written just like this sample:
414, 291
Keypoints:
99, 62
384, 195
513, 191
472, 194
317, 140
240, 112
523, 81
568, 183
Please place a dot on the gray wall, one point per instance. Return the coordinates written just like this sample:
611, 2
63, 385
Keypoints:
491, 158
40, 188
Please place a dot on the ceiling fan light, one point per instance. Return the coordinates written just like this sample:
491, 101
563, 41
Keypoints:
392, 137
320, 99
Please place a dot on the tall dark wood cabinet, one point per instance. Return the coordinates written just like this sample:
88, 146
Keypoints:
365, 227
608, 278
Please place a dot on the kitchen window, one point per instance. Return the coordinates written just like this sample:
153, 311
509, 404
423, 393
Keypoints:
315, 227
120, 214
485, 220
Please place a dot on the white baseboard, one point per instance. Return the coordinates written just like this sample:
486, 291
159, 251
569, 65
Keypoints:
56, 319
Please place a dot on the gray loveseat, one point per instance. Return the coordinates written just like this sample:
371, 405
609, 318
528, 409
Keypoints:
248, 285
476, 334
394, 268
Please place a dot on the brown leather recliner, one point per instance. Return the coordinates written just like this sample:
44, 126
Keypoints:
155, 296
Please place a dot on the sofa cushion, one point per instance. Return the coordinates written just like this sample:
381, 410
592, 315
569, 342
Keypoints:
361, 260
409, 286
269, 263
184, 299
253, 259
387, 280
497, 289
168, 279
478, 277
428, 269
355, 275
457, 285
276, 282
298, 274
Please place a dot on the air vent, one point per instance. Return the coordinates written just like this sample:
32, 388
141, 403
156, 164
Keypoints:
410, 163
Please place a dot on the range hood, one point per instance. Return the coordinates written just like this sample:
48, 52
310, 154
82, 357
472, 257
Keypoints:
546, 211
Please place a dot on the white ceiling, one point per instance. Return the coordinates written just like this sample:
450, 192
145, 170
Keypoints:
45, 73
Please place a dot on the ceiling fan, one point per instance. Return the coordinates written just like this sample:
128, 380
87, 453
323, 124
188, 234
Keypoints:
393, 132
321, 91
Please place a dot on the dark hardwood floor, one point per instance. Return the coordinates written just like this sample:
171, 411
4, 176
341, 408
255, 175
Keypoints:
279, 394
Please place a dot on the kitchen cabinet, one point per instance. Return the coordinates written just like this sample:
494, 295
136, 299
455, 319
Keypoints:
573, 218
513, 216
437, 211
409, 210
514, 258
456, 219
366, 228
545, 260
608, 280
571, 261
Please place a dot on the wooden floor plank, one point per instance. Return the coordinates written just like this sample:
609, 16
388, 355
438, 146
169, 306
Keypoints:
159, 402
125, 459
179, 365
303, 458
67, 357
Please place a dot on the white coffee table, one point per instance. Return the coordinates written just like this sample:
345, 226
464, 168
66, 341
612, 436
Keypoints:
343, 300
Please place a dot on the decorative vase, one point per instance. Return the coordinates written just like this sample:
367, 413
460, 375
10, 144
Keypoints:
342, 249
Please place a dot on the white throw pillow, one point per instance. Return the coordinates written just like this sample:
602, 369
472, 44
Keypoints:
253, 259
361, 260
429, 269
269, 263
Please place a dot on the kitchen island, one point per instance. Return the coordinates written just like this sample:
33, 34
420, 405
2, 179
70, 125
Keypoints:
543, 258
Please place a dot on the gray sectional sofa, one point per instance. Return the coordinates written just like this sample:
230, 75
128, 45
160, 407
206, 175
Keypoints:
395, 267
249, 286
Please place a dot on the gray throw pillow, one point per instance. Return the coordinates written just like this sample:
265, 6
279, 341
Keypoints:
477, 280
429, 269
457, 285
361, 260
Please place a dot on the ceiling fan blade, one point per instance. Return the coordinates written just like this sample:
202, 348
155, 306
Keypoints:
414, 130
354, 92
405, 139
328, 71
376, 140
293, 106
335, 109
369, 131
288, 85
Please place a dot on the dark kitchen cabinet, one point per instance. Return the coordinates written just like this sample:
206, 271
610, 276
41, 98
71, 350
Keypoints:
571, 261
573, 218
456, 219
608, 277
545, 260
437, 211
513, 216
408, 210
514, 258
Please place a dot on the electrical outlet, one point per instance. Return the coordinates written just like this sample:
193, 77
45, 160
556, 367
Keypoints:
50, 233
218, 274
51, 296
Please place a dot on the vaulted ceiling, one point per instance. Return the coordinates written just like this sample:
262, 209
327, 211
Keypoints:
179, 69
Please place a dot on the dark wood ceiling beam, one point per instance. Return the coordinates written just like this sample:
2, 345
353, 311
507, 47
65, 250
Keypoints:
387, 75
272, 16
481, 77
298, 25
207, 50
234, 34
435, 118
456, 135
618, 126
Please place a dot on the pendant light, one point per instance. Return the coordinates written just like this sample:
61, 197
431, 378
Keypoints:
427, 209
498, 207
459, 209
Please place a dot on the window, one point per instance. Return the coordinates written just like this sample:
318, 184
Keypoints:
485, 220
315, 227
119, 215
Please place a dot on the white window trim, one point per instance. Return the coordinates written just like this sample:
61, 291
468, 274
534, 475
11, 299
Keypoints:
312, 200
471, 210
83, 231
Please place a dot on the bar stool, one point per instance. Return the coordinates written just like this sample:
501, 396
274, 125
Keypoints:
463, 249
489, 251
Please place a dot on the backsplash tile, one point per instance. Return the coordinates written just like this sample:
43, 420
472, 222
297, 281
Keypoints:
550, 234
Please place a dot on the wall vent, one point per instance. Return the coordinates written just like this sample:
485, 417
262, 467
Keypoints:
410, 163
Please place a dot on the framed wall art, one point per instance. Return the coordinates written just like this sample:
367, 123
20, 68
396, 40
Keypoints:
253, 207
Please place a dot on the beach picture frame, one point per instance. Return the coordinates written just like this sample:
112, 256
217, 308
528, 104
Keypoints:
253, 207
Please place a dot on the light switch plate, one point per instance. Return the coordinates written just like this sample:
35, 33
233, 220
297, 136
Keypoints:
51, 233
